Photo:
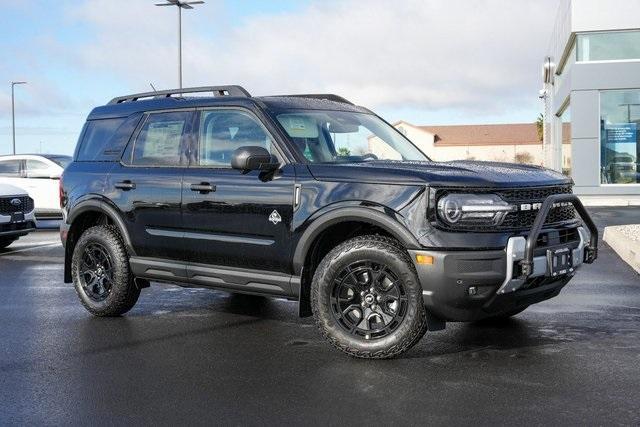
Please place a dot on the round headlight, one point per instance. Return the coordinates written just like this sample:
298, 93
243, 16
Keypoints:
450, 209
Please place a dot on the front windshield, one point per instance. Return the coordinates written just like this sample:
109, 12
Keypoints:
340, 137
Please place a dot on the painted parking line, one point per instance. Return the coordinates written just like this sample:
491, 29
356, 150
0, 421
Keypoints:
46, 245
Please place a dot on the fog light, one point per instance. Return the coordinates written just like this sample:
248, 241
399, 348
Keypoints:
424, 259
473, 290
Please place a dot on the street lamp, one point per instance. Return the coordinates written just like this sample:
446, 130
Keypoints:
180, 5
13, 115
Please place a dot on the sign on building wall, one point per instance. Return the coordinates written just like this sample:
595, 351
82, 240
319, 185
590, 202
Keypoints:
619, 133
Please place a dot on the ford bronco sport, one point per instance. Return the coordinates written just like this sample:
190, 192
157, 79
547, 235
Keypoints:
314, 199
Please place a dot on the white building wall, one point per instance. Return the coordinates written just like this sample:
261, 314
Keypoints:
581, 83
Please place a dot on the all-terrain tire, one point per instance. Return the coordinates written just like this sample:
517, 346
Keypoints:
378, 249
6, 242
123, 293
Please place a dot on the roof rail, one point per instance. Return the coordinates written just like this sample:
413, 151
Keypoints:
232, 90
327, 96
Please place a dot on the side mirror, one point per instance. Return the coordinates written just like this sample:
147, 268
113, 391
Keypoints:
253, 158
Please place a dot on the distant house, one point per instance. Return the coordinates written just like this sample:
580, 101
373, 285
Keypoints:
518, 142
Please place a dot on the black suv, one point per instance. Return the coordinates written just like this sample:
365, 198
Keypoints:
311, 198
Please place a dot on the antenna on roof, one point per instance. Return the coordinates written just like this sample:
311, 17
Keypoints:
152, 87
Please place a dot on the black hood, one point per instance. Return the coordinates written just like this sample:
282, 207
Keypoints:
457, 173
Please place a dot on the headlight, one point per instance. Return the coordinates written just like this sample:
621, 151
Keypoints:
473, 209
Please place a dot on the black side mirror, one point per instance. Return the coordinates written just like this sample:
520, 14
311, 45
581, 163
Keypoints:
253, 158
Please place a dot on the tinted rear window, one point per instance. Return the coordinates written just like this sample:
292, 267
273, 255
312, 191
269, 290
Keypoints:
104, 140
10, 168
62, 161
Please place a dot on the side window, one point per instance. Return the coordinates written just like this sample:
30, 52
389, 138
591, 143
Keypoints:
96, 137
223, 131
162, 140
10, 168
38, 169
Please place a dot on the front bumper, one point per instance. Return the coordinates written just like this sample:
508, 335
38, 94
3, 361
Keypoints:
10, 228
472, 285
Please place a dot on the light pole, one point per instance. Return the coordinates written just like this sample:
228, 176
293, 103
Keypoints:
180, 5
13, 115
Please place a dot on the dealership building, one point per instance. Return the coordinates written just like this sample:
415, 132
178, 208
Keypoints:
591, 94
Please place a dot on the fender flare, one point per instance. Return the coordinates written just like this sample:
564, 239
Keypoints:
97, 205
352, 213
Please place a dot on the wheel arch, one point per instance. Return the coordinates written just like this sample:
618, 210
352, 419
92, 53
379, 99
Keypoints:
347, 222
84, 215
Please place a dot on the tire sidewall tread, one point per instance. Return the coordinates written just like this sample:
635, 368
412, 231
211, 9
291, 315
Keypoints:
124, 294
386, 250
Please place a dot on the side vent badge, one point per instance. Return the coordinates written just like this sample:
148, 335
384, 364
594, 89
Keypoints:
275, 217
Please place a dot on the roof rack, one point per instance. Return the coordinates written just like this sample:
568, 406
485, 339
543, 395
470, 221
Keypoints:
232, 90
327, 96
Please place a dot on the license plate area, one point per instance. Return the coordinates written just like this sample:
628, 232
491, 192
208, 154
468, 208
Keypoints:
17, 217
559, 261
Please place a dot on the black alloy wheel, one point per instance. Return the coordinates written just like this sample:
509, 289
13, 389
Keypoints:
369, 300
96, 272
366, 298
101, 272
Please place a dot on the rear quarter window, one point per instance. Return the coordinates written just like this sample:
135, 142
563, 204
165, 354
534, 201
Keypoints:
105, 139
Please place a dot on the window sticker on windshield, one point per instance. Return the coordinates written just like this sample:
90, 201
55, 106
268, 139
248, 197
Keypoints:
299, 126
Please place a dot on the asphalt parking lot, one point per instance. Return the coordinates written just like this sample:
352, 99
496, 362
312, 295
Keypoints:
197, 356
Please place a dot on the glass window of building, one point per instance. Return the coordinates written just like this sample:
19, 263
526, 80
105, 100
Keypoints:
610, 46
619, 144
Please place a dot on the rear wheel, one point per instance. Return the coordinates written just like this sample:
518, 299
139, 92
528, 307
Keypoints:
366, 298
101, 275
6, 242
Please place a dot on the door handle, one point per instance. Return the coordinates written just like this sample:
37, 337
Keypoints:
125, 185
203, 187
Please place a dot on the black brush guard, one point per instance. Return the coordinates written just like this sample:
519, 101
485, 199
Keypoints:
590, 251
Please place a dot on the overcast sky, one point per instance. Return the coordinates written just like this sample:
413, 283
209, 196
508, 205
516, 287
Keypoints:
426, 61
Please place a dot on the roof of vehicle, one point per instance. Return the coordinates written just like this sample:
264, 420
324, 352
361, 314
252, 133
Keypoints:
46, 156
222, 95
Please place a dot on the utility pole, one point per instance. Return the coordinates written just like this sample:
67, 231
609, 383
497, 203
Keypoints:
13, 114
180, 5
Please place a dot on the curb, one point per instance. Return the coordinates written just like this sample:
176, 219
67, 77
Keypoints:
594, 201
627, 248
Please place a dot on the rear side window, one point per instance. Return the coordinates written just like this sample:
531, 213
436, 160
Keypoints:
162, 140
105, 139
10, 168
38, 169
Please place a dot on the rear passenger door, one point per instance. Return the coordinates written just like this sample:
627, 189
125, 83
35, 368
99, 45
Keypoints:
147, 185
42, 180
240, 220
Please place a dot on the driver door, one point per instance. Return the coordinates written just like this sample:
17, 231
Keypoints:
236, 219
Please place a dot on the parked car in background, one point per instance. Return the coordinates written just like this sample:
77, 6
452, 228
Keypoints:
39, 175
622, 169
16, 214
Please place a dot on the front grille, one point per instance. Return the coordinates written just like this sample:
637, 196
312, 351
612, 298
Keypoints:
25, 205
523, 219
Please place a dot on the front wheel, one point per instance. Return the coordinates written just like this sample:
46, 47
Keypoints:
367, 300
101, 275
